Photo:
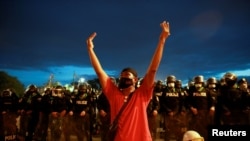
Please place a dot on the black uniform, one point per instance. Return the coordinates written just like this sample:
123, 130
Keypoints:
59, 106
171, 106
232, 102
103, 106
42, 131
152, 111
200, 100
81, 118
30, 105
8, 111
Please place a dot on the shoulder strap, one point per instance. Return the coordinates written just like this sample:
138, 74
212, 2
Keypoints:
122, 108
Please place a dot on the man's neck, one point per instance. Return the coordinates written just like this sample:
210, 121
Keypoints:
128, 90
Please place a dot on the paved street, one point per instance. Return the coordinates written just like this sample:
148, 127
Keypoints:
73, 138
95, 138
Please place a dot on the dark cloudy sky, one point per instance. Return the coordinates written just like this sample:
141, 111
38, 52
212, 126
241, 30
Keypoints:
43, 37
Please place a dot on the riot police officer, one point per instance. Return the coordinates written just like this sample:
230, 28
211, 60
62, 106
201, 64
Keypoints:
104, 115
8, 109
199, 104
171, 106
212, 90
152, 111
42, 131
232, 101
30, 109
80, 112
183, 113
59, 106
244, 88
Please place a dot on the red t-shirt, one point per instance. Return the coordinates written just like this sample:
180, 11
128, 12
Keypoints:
133, 122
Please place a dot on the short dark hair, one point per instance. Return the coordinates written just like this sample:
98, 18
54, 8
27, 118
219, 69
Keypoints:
131, 70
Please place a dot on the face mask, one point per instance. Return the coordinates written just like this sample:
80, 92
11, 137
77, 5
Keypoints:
125, 83
211, 86
171, 85
82, 91
198, 85
230, 83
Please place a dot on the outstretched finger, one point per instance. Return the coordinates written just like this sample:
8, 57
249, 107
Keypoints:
92, 36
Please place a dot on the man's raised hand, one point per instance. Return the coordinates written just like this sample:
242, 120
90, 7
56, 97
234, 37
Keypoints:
165, 30
89, 41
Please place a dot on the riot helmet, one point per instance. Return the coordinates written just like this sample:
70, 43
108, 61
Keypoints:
242, 83
230, 79
211, 82
178, 84
158, 86
198, 81
171, 79
83, 88
31, 88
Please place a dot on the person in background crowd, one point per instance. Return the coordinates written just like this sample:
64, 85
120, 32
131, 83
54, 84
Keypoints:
80, 113
94, 125
172, 105
59, 106
42, 130
183, 113
212, 90
243, 86
158, 89
8, 115
232, 101
153, 110
199, 103
134, 115
30, 110
104, 115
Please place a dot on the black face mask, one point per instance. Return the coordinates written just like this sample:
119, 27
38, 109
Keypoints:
82, 91
125, 83
230, 83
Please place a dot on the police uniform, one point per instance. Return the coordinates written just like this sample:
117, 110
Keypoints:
8, 106
42, 131
183, 113
103, 105
81, 117
199, 104
30, 105
212, 90
232, 102
171, 105
59, 106
152, 111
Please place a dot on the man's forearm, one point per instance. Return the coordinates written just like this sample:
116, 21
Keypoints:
95, 62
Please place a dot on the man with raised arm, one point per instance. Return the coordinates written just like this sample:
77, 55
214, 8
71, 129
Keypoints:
133, 122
